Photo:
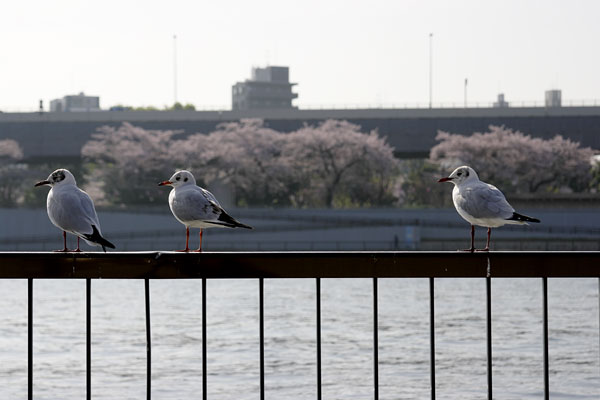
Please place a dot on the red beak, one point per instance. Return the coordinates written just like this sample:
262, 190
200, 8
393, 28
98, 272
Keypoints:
445, 179
163, 183
41, 183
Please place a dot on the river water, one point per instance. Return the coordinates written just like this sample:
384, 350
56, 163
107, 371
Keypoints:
118, 339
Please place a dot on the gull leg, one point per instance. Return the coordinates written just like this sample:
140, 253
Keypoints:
64, 250
77, 250
472, 249
487, 246
200, 245
187, 240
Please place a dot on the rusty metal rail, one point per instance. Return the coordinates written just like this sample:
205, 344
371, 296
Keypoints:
315, 265
171, 265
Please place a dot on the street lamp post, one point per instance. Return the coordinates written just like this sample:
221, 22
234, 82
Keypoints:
174, 69
466, 92
430, 69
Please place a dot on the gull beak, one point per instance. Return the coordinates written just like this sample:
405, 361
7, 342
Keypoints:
42, 183
165, 183
445, 179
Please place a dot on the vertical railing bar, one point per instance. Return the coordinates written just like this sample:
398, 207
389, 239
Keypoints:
546, 356
30, 338
318, 295
432, 335
204, 363
262, 336
88, 338
489, 334
375, 342
148, 341
599, 320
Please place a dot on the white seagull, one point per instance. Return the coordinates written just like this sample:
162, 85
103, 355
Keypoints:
196, 207
481, 204
72, 210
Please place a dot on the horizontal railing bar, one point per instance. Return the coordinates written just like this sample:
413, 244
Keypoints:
173, 265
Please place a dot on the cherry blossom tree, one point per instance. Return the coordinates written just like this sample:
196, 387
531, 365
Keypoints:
12, 175
124, 162
337, 165
516, 162
246, 155
595, 182
332, 164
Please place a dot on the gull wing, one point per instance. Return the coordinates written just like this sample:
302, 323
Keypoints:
73, 211
209, 196
194, 205
199, 205
484, 201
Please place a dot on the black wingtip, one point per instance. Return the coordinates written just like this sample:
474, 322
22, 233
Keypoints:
523, 218
232, 222
96, 238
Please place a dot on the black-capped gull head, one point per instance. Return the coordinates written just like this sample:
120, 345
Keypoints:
72, 210
481, 204
196, 207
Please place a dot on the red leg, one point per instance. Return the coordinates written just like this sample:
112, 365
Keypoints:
77, 250
64, 250
472, 249
187, 240
200, 245
487, 246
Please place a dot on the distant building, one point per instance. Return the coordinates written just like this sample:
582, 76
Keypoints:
77, 102
269, 88
553, 98
500, 103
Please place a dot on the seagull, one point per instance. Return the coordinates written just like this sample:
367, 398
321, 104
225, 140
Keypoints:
72, 210
481, 204
196, 207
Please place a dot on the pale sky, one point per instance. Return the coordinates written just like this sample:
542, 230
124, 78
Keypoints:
339, 52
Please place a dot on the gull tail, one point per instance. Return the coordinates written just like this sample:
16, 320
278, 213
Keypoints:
522, 218
95, 237
228, 221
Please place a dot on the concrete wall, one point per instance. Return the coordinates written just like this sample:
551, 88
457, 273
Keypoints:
411, 131
313, 229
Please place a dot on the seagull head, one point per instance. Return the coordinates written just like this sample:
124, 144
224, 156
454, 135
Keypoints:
180, 178
460, 175
58, 177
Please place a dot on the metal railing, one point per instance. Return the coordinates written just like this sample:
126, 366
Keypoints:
358, 105
315, 265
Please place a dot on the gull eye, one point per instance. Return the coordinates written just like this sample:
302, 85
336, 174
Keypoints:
185, 179
58, 176
178, 178
458, 173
